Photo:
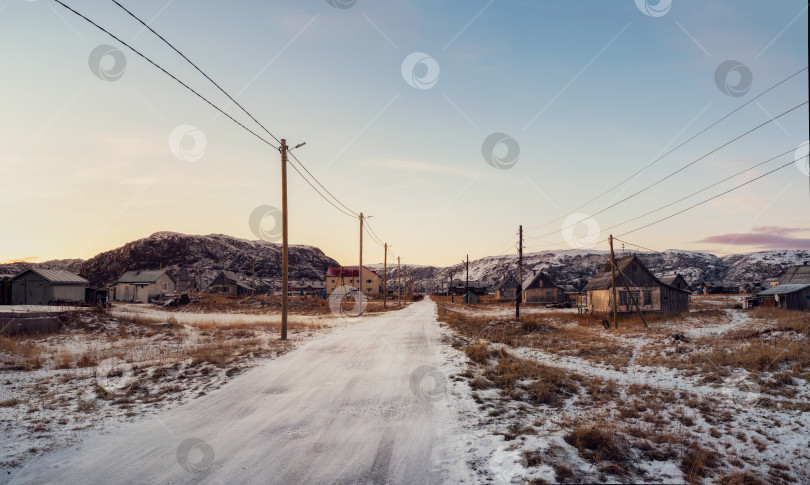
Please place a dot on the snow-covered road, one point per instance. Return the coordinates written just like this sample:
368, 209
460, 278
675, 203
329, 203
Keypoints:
344, 408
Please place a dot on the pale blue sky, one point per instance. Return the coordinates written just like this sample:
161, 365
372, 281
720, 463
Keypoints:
591, 91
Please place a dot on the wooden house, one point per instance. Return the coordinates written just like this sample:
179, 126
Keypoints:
45, 286
306, 287
650, 293
540, 289
506, 290
143, 286
720, 287
479, 287
792, 292
675, 280
228, 284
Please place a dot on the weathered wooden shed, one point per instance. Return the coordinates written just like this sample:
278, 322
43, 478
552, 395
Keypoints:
790, 296
539, 288
651, 294
721, 287
228, 283
45, 286
506, 290
143, 286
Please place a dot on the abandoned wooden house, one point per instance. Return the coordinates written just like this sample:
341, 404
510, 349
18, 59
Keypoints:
540, 289
227, 283
720, 287
506, 290
479, 287
143, 286
634, 282
675, 280
792, 292
46, 286
306, 287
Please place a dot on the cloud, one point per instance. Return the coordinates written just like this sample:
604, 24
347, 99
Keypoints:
760, 240
779, 231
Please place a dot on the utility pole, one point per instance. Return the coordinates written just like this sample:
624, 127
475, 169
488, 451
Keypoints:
284, 247
360, 271
613, 283
467, 285
399, 284
253, 279
519, 292
385, 277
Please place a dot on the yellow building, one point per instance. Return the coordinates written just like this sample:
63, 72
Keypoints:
350, 276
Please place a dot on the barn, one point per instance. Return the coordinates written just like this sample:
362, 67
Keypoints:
540, 289
506, 290
143, 286
227, 283
45, 286
650, 293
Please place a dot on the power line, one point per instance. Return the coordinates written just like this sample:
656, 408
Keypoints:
656, 160
687, 165
636, 245
319, 192
244, 110
146, 58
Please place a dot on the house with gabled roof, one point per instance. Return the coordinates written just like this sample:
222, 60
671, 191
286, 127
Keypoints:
350, 276
634, 282
143, 286
675, 280
506, 289
227, 283
37, 286
792, 292
539, 288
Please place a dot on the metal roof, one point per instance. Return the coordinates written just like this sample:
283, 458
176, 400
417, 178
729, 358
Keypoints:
783, 289
531, 279
58, 276
796, 274
334, 271
142, 277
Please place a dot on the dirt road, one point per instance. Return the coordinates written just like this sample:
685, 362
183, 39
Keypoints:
363, 404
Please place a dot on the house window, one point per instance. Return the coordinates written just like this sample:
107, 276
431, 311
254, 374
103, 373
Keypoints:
368, 290
622, 298
333, 280
635, 298
369, 281
647, 297
548, 295
165, 286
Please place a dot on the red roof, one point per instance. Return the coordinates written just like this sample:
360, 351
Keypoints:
334, 271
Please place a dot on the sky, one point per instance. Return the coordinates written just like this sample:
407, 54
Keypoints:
448, 124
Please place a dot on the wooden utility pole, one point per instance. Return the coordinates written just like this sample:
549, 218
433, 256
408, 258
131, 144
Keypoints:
399, 284
360, 270
633, 298
253, 279
613, 283
467, 284
519, 291
385, 277
284, 248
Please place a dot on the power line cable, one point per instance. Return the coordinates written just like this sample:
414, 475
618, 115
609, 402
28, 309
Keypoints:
686, 166
322, 186
656, 160
146, 58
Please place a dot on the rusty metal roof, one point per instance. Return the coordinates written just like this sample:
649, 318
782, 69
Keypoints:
57, 276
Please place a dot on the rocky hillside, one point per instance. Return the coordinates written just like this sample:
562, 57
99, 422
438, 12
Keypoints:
188, 256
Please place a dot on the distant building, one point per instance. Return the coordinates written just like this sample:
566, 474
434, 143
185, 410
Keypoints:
5, 289
770, 282
650, 293
539, 288
350, 276
227, 283
45, 286
720, 287
308, 288
479, 287
143, 286
675, 280
506, 290
792, 292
